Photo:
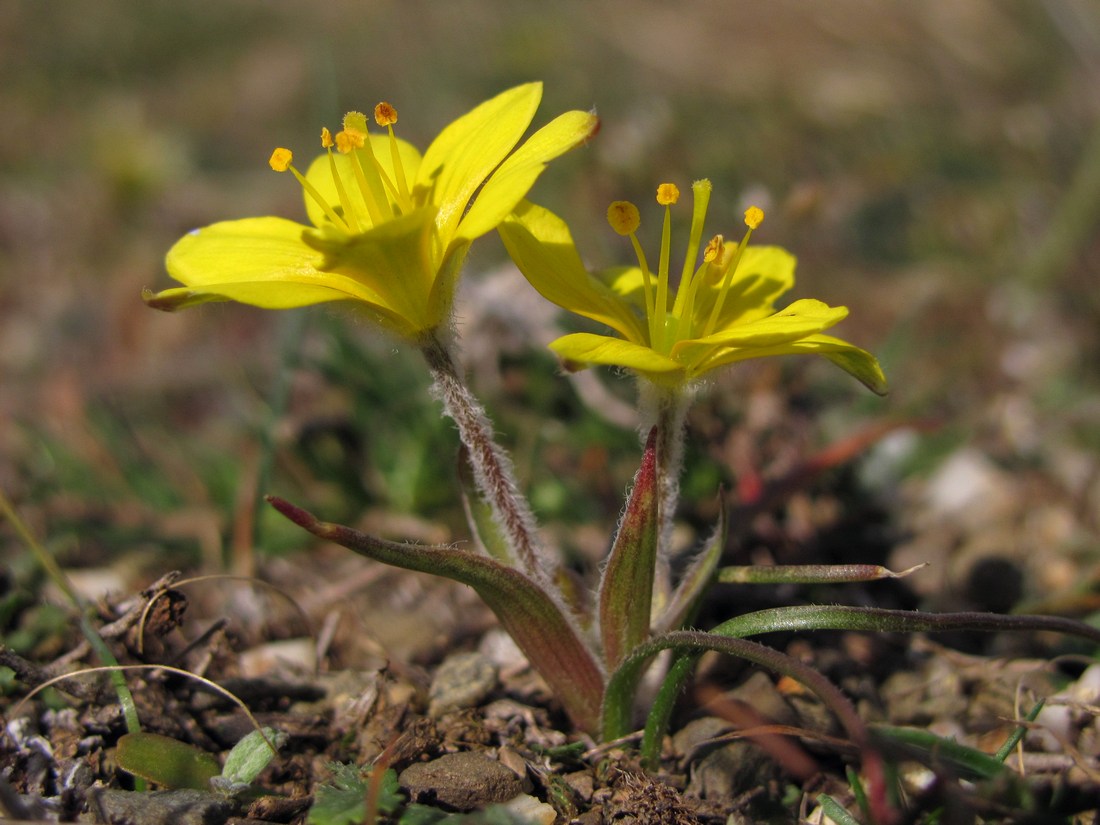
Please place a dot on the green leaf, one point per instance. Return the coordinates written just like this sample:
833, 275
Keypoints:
344, 801
809, 573
931, 749
479, 514
537, 621
835, 811
166, 761
250, 756
695, 581
626, 588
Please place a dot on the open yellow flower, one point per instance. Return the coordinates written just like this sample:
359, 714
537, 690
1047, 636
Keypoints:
720, 312
390, 228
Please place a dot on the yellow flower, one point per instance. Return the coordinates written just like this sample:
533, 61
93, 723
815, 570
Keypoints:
720, 312
390, 228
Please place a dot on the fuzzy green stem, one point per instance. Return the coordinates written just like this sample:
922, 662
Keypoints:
492, 468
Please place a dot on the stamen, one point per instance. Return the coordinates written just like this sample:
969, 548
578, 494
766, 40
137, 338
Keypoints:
376, 180
623, 217
354, 136
386, 115
754, 216
338, 181
280, 161
625, 220
714, 248
683, 309
667, 195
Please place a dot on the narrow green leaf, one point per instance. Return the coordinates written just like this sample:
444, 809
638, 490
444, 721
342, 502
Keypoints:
696, 579
1018, 733
968, 762
251, 755
479, 514
841, 617
835, 811
809, 573
542, 628
626, 588
166, 761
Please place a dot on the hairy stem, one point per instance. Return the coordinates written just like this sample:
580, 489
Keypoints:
493, 472
667, 410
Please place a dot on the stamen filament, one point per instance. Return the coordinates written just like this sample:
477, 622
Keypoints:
753, 217
647, 285
349, 212
319, 199
386, 115
688, 288
685, 292
403, 197
377, 216
661, 308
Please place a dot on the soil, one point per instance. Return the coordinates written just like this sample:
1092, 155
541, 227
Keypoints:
363, 665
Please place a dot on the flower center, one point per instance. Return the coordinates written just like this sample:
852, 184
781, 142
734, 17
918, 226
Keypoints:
666, 326
381, 196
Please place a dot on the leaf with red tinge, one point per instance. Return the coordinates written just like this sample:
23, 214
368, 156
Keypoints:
626, 588
536, 621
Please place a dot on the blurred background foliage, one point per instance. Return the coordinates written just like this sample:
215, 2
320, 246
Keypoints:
935, 166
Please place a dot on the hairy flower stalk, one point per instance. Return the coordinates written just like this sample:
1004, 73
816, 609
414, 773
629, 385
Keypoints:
492, 468
667, 410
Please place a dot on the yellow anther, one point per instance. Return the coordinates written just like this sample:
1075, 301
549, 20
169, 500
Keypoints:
326, 138
754, 216
350, 139
623, 217
714, 248
667, 194
280, 159
385, 114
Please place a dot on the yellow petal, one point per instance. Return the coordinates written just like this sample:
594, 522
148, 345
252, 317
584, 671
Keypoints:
467, 151
260, 261
763, 274
850, 358
515, 177
586, 348
801, 318
541, 246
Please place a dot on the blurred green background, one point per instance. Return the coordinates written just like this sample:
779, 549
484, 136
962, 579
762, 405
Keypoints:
935, 166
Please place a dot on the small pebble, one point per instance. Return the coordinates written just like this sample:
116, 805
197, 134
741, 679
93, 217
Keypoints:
461, 781
461, 681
